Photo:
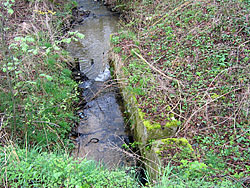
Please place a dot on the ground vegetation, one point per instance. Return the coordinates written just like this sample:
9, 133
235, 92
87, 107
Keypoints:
189, 61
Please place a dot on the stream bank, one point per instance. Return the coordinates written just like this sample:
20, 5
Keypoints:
149, 140
187, 71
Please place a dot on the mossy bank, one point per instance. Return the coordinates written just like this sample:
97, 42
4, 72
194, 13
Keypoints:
144, 131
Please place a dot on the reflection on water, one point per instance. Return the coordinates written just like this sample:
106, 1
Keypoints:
102, 121
97, 29
102, 131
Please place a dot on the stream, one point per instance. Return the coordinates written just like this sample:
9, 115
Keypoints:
101, 132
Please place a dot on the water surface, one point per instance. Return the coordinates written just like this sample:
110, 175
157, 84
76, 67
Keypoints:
102, 131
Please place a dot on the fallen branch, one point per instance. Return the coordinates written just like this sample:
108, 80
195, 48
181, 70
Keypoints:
154, 68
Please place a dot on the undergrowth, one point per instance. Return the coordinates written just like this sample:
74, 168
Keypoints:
36, 92
189, 61
37, 95
192, 175
31, 168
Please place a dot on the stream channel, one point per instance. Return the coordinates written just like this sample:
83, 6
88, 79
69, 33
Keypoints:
101, 131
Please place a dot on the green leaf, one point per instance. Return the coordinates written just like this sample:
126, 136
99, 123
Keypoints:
17, 38
10, 11
57, 174
67, 40
80, 35
56, 48
49, 78
71, 33
31, 82
35, 52
42, 75
18, 72
30, 39
48, 50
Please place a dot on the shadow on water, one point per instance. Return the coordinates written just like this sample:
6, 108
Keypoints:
101, 132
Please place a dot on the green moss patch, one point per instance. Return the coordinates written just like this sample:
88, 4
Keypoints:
179, 142
174, 149
152, 126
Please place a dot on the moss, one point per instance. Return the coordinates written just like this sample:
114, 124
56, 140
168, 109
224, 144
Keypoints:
171, 143
178, 141
172, 123
151, 126
141, 114
147, 123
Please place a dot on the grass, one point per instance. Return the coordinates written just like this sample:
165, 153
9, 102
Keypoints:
192, 175
32, 168
190, 61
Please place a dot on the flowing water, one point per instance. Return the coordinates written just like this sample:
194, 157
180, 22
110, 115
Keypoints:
101, 130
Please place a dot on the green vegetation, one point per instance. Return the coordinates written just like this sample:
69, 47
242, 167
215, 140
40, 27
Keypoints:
37, 97
36, 92
191, 174
20, 167
171, 123
32, 168
189, 61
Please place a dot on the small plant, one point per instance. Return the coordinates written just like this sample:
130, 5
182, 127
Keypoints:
38, 91
32, 168
192, 176
7, 5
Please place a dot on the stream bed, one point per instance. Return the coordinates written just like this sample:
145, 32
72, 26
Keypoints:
101, 132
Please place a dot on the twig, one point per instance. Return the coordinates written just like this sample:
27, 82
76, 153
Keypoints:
59, 139
1, 122
136, 156
154, 68
185, 127
239, 49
